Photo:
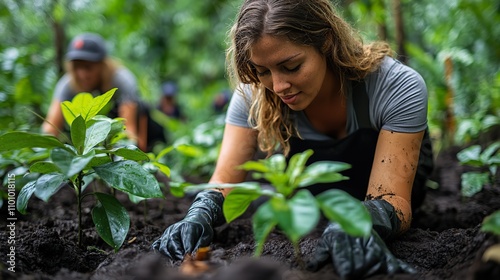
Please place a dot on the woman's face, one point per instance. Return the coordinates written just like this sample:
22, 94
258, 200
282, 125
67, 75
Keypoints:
87, 74
296, 73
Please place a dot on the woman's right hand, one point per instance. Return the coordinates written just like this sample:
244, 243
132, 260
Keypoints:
195, 230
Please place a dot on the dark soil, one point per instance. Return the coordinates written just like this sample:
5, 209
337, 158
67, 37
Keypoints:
444, 242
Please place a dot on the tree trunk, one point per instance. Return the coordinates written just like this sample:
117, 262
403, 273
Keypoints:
400, 34
59, 46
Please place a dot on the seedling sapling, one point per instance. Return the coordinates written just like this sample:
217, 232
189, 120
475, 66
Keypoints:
473, 182
92, 152
291, 207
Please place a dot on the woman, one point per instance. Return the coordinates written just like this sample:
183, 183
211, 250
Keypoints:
90, 69
307, 81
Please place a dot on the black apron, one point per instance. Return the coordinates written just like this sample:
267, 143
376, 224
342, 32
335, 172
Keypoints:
358, 149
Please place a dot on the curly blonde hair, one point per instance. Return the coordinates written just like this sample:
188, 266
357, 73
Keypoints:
305, 22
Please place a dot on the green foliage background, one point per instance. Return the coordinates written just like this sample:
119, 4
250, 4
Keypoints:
185, 41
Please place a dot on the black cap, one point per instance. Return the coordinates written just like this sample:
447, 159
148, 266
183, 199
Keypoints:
87, 46
169, 89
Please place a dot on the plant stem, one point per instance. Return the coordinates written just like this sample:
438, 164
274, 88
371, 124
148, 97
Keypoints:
298, 255
79, 198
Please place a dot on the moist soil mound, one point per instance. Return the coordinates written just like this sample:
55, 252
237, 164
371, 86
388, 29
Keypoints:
444, 241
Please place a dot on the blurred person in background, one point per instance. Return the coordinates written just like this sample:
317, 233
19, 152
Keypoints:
168, 101
90, 69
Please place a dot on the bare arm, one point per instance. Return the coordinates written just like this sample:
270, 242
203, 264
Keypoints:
128, 111
54, 121
393, 171
238, 146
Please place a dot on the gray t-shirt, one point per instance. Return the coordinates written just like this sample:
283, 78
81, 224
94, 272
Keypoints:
397, 102
123, 79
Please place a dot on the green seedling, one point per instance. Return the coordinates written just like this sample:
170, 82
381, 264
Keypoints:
291, 207
473, 182
93, 152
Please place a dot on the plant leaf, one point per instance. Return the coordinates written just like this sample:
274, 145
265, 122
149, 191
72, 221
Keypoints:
305, 214
276, 163
44, 167
338, 206
17, 140
24, 195
189, 150
263, 222
47, 185
78, 133
492, 223
163, 168
95, 134
111, 220
130, 177
296, 166
488, 153
69, 163
237, 202
473, 182
470, 156
74, 108
258, 166
131, 152
97, 104
323, 172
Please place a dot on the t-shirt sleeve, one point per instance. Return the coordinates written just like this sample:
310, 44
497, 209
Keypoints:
239, 107
62, 91
126, 83
399, 100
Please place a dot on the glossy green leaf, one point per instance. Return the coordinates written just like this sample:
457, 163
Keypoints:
165, 151
296, 166
492, 223
98, 160
111, 220
276, 163
131, 152
47, 185
258, 166
78, 129
199, 187
263, 222
69, 163
17, 140
237, 202
340, 207
95, 134
177, 188
74, 108
488, 153
323, 172
473, 182
24, 196
98, 103
189, 150
304, 213
130, 177
163, 168
44, 167
470, 156
135, 199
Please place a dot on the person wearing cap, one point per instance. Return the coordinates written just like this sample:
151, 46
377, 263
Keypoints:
168, 102
90, 69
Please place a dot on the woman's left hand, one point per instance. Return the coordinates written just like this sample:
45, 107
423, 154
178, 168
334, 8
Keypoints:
357, 257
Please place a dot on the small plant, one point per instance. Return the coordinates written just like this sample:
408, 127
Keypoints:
93, 152
473, 182
293, 209
491, 224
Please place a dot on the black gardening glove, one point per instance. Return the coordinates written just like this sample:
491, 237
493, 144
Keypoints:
358, 257
196, 229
